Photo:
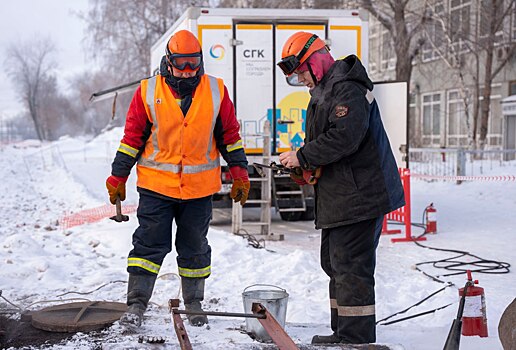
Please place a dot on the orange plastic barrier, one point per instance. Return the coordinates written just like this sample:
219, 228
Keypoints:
402, 214
89, 216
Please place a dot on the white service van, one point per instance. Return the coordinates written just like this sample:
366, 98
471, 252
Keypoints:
242, 46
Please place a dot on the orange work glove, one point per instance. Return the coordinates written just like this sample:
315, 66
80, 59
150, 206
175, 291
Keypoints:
311, 176
241, 184
116, 187
304, 177
298, 176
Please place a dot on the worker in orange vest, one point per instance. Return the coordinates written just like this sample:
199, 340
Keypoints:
178, 124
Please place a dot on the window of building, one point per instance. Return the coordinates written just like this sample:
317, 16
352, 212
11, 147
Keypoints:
495, 121
459, 23
387, 61
512, 88
494, 126
434, 34
457, 120
431, 112
513, 25
414, 134
486, 17
374, 47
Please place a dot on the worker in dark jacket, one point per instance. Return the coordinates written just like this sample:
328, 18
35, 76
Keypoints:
178, 124
359, 184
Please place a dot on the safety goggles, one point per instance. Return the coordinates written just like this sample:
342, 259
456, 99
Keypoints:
290, 63
181, 61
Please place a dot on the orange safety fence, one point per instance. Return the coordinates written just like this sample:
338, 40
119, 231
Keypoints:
92, 215
402, 214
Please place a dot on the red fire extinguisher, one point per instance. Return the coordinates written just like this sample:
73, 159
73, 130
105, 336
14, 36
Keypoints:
474, 320
431, 219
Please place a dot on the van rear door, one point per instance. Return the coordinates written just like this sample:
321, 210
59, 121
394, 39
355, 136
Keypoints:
253, 96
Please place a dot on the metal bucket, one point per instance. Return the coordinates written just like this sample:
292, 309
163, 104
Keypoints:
275, 301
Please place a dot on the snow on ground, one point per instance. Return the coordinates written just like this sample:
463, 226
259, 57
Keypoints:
41, 261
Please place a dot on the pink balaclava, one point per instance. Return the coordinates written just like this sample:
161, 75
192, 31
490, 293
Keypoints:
320, 62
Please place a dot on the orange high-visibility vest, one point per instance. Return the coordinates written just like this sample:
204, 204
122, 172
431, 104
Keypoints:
181, 159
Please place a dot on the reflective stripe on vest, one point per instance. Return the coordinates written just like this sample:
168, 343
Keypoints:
151, 89
215, 97
369, 96
177, 168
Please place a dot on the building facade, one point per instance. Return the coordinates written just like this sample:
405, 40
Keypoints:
447, 71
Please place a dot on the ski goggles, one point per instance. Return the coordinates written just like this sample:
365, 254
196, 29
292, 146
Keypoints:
290, 63
181, 61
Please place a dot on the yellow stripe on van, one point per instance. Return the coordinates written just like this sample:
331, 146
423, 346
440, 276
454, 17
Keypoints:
254, 150
301, 26
200, 28
359, 36
254, 26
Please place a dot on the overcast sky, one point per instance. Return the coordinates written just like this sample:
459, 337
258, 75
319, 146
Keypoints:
22, 20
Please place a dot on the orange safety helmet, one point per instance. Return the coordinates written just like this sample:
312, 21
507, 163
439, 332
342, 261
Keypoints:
184, 52
297, 49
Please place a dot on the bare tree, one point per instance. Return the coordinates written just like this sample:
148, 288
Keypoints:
476, 53
495, 13
404, 20
300, 4
30, 65
96, 116
121, 32
439, 39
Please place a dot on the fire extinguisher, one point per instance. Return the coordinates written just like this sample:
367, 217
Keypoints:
471, 316
431, 219
474, 320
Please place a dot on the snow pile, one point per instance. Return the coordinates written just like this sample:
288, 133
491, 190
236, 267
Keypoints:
41, 261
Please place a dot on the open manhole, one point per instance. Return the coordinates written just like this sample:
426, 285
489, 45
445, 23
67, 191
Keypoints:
78, 317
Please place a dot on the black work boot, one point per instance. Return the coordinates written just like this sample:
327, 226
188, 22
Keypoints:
139, 291
193, 294
327, 339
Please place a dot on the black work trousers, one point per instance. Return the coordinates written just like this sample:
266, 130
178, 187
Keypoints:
152, 240
348, 258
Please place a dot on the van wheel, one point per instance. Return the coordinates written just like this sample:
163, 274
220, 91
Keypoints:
291, 215
308, 215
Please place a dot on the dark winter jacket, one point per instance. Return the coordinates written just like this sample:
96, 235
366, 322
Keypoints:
345, 136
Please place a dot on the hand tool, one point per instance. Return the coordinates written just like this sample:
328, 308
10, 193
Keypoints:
119, 217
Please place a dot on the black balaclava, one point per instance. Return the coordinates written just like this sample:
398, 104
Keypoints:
183, 86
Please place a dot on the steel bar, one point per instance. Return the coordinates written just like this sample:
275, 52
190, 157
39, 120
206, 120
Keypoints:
215, 313
274, 329
179, 327
182, 336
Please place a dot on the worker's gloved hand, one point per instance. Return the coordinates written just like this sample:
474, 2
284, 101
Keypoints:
298, 176
116, 187
304, 177
241, 184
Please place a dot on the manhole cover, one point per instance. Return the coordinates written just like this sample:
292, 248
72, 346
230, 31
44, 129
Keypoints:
78, 317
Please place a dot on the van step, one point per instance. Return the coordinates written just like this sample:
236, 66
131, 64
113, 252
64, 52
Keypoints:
254, 223
256, 201
257, 179
281, 175
289, 192
291, 209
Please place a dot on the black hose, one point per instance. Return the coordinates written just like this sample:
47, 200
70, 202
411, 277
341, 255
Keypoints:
450, 264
